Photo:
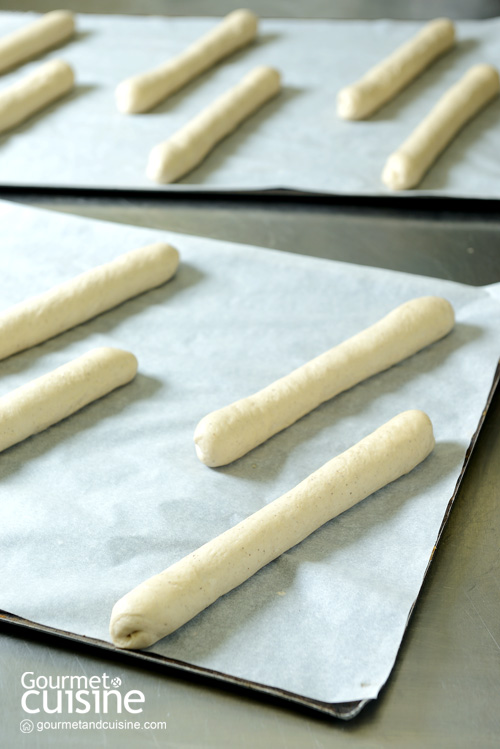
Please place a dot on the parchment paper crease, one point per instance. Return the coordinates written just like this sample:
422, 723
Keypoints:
114, 494
296, 141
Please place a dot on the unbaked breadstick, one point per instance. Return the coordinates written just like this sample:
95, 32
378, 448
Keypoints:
188, 146
40, 403
225, 435
166, 601
386, 79
34, 92
85, 296
27, 42
144, 91
406, 166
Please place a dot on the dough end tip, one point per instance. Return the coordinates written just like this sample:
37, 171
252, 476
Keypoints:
158, 166
397, 173
125, 634
346, 105
199, 438
246, 20
126, 99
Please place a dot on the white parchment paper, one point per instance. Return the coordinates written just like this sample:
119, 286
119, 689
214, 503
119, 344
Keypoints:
296, 141
115, 493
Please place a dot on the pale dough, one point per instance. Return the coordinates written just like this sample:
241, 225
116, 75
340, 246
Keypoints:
27, 42
225, 435
40, 403
188, 146
386, 79
406, 166
34, 92
85, 296
144, 91
166, 601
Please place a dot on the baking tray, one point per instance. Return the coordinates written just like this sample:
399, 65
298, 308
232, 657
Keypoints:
72, 242
343, 711
295, 142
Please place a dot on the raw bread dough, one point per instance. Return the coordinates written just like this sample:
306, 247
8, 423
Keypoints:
48, 31
406, 166
386, 79
85, 296
188, 146
22, 99
144, 91
166, 601
225, 435
40, 403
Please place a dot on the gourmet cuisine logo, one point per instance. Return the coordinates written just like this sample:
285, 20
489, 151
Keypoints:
78, 694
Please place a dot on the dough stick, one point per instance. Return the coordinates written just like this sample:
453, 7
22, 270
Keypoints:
188, 146
142, 92
85, 296
230, 432
34, 92
40, 403
382, 82
406, 166
166, 601
48, 31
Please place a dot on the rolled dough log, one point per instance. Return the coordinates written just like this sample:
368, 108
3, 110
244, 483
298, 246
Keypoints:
166, 601
40, 403
48, 31
34, 92
406, 166
225, 435
188, 146
382, 82
85, 296
144, 91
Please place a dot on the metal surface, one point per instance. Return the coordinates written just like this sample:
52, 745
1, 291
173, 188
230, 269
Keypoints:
404, 9
443, 244
444, 689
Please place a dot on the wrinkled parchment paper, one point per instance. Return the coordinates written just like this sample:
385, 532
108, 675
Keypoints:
296, 141
115, 493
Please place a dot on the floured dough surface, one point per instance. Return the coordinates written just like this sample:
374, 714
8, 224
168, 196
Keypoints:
230, 432
79, 299
384, 81
49, 82
168, 600
43, 402
30, 40
142, 92
463, 101
175, 157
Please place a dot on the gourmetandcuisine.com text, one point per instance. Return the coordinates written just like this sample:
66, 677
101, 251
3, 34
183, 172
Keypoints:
28, 726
